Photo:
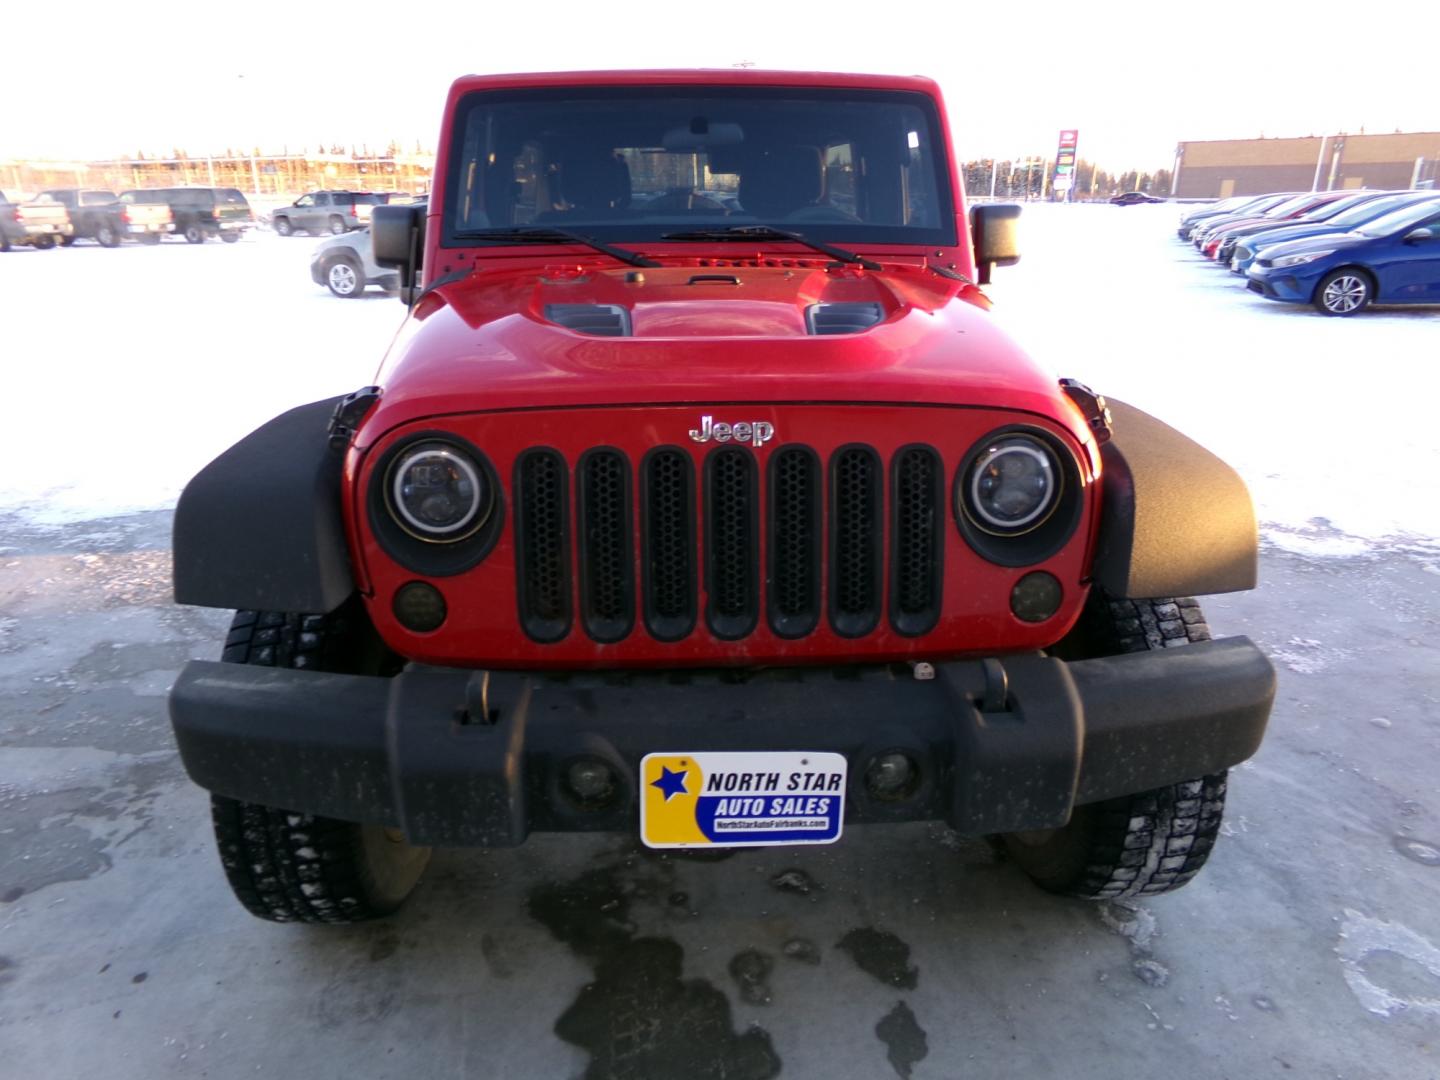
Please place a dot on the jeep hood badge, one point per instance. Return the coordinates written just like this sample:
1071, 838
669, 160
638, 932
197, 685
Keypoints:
754, 432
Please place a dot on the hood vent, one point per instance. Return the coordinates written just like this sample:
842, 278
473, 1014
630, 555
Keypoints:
846, 318
600, 320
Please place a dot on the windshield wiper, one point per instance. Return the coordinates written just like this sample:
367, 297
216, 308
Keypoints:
546, 235
766, 232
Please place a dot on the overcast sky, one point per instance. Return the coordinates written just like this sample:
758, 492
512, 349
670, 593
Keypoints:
1134, 78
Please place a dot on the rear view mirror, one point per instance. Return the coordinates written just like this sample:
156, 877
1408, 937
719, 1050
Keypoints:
397, 239
995, 232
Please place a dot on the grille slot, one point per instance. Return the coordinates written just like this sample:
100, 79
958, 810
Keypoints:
732, 544
607, 559
793, 578
916, 499
542, 544
669, 542
849, 317
855, 540
599, 320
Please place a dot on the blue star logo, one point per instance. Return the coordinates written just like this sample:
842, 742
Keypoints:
671, 783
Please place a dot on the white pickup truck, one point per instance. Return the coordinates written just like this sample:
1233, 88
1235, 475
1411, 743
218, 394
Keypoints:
39, 224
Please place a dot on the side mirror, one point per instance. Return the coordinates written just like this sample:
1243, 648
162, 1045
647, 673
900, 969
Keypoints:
397, 240
1417, 235
995, 232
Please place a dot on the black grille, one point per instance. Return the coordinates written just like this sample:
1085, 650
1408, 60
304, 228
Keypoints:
542, 544
732, 542
669, 531
795, 529
916, 499
855, 540
607, 560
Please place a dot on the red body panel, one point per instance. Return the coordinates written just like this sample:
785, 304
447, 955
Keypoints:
483, 628
479, 357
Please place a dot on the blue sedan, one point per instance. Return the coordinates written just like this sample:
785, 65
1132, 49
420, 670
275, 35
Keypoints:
1394, 259
1364, 213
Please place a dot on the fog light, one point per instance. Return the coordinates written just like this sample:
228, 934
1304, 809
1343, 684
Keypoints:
590, 781
1035, 597
891, 776
419, 607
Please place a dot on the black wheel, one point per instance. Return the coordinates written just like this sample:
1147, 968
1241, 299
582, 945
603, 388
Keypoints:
230, 236
66, 241
149, 238
283, 226
345, 277
194, 234
1144, 844
337, 224
43, 243
291, 867
107, 235
1343, 292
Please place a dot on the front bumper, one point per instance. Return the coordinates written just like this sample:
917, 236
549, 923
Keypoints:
471, 758
1283, 285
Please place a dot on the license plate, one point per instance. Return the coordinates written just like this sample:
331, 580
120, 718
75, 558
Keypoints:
741, 799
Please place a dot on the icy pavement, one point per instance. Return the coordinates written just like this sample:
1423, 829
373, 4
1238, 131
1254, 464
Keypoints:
129, 369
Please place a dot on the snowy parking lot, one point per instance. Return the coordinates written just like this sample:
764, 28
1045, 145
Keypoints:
1309, 947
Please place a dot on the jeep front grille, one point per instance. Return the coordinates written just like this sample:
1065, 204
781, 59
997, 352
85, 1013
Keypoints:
823, 541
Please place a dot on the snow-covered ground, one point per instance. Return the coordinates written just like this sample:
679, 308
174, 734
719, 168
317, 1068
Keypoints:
126, 370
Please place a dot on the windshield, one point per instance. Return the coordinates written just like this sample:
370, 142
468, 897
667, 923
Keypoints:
1400, 220
1369, 211
627, 163
1289, 206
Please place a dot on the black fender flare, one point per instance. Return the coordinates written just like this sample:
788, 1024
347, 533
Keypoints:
1175, 519
260, 527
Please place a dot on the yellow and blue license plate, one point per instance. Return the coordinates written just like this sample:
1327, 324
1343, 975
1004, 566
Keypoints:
741, 799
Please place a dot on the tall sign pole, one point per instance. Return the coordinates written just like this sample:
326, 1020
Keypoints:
1065, 163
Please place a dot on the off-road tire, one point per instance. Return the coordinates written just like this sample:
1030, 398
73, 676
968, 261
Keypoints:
1136, 845
283, 226
106, 235
292, 867
1144, 844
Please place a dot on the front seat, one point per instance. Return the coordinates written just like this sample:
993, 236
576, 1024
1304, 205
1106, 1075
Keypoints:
591, 185
781, 181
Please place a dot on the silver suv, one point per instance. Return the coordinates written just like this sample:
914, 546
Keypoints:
346, 264
319, 212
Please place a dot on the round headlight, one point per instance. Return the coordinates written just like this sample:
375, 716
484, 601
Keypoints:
438, 493
1012, 485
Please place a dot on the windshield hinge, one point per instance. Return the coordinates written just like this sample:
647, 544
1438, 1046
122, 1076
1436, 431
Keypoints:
348, 414
1092, 407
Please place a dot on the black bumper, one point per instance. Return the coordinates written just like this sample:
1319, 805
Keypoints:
476, 758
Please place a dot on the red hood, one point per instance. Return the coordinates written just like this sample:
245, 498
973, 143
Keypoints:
484, 342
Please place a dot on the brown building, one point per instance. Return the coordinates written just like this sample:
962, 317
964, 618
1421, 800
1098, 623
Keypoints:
1219, 169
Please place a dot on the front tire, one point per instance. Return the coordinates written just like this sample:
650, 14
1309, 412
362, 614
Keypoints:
292, 867
1343, 292
1144, 844
345, 279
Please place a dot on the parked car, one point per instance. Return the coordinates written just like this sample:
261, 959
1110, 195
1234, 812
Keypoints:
1294, 210
102, 217
1133, 198
1259, 208
200, 212
1234, 205
34, 224
1366, 212
327, 211
1394, 259
346, 265
1231, 235
487, 597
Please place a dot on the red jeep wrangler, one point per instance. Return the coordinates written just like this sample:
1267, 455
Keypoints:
699, 497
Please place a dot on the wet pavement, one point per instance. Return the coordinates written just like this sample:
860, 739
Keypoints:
1310, 946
